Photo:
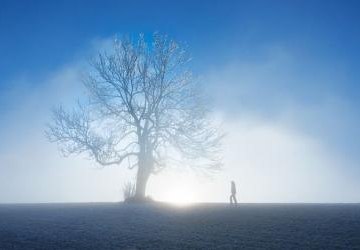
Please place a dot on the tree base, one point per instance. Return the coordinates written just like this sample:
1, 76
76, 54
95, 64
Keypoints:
135, 199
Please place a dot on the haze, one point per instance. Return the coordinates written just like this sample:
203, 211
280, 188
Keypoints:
283, 79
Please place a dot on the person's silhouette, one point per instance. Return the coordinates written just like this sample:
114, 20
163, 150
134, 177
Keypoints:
233, 193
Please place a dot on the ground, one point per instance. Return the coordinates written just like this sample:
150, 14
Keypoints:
160, 226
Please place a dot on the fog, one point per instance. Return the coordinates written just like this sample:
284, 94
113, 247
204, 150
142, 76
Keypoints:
282, 145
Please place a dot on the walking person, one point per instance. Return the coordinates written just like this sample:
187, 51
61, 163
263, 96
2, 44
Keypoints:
233, 193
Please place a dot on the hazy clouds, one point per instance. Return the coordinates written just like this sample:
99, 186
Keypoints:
289, 138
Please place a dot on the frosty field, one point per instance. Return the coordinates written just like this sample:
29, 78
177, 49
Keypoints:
201, 226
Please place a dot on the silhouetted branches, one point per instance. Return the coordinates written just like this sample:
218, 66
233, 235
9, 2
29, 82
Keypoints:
142, 105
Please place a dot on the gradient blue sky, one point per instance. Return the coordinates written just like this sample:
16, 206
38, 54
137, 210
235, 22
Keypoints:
38, 36
287, 70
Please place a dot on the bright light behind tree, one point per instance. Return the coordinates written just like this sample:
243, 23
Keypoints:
176, 187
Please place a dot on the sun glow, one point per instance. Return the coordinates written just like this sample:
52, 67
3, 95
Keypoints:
179, 190
181, 195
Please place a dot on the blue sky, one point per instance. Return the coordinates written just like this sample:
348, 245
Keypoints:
40, 35
288, 69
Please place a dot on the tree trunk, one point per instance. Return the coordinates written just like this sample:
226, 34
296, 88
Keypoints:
141, 181
142, 178
145, 165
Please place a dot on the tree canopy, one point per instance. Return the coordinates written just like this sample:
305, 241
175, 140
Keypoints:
144, 110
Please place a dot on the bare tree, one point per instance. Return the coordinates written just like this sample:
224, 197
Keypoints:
144, 110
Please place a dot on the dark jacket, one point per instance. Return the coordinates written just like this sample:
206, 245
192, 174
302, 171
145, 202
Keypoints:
233, 188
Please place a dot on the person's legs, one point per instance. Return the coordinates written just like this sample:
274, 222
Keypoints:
235, 200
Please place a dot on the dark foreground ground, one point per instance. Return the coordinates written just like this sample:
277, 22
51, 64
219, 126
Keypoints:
205, 226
